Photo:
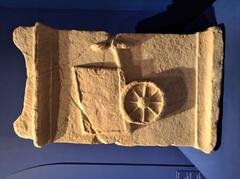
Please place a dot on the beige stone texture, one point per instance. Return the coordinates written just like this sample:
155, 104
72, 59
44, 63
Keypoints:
129, 89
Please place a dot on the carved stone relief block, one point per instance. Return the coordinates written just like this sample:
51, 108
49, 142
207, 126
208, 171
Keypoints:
128, 89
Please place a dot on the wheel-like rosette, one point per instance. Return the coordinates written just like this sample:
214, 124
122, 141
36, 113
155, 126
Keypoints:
142, 102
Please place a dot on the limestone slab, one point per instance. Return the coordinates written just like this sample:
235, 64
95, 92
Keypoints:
128, 89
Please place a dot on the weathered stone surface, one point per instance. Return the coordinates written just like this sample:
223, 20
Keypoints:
128, 89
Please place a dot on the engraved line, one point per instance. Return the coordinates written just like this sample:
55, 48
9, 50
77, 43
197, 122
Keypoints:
51, 93
133, 111
131, 102
196, 90
136, 94
155, 92
158, 102
79, 106
143, 115
144, 89
150, 109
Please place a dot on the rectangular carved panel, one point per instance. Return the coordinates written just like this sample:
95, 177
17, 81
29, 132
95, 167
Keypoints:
101, 104
128, 89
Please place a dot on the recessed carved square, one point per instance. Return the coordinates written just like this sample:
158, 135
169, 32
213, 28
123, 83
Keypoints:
99, 91
128, 89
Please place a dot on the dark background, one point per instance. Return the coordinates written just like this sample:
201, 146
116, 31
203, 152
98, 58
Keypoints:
109, 161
